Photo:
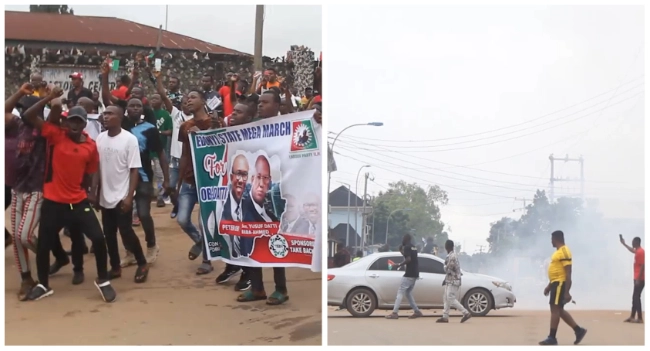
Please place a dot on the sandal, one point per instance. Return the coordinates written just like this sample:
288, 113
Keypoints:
277, 298
250, 296
204, 268
141, 273
195, 252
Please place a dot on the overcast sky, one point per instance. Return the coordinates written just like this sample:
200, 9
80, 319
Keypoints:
444, 72
229, 26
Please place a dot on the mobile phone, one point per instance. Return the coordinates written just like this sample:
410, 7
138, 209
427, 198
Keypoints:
158, 64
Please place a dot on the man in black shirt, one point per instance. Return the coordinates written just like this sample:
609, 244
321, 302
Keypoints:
411, 275
78, 89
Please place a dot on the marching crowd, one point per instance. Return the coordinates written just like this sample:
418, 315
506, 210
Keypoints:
68, 157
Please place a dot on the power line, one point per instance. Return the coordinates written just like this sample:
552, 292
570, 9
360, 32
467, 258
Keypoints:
511, 126
509, 139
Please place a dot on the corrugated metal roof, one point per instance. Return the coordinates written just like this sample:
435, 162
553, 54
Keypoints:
34, 26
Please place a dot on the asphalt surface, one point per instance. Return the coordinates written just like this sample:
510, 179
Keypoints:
504, 327
174, 306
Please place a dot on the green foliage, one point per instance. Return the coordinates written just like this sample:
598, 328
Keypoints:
536, 224
422, 220
60, 9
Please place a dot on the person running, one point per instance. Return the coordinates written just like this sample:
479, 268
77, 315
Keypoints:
639, 278
411, 275
119, 159
452, 284
65, 200
559, 276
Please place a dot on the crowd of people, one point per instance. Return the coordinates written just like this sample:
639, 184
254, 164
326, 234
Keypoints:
115, 152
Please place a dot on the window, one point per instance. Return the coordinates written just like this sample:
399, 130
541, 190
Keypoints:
382, 263
428, 265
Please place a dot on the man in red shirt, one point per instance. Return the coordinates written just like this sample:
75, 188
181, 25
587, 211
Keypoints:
639, 278
65, 202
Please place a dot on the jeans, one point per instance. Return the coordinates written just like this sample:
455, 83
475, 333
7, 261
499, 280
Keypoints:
80, 218
636, 300
113, 220
406, 288
187, 199
143, 196
159, 176
450, 300
173, 171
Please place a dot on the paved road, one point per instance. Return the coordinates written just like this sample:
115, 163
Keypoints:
174, 307
511, 327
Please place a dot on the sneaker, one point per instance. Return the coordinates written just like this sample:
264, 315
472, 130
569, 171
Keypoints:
128, 260
78, 278
25, 287
114, 274
136, 221
168, 200
392, 316
466, 317
442, 320
549, 341
160, 203
56, 266
152, 254
417, 314
174, 212
226, 275
39, 292
243, 285
106, 290
580, 334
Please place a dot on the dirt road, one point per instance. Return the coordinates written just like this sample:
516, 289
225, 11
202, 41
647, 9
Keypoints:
511, 327
174, 307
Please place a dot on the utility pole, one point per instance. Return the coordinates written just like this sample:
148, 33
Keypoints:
363, 213
522, 208
480, 248
553, 159
372, 240
166, 15
259, 35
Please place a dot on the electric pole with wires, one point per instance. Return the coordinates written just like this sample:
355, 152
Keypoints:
553, 179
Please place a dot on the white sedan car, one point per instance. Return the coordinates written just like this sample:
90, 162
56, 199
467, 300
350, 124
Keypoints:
370, 283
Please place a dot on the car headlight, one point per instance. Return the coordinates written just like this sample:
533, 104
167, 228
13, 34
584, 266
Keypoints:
503, 285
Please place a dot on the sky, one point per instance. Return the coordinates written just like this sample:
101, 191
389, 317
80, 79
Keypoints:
475, 99
228, 25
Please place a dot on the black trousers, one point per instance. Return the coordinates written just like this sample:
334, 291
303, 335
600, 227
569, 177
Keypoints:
113, 220
7, 204
143, 196
636, 300
80, 218
257, 283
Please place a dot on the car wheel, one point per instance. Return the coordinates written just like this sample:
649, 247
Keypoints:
361, 302
478, 302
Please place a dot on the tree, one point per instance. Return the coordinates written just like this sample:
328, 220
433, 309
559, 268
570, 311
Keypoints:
502, 235
60, 9
422, 219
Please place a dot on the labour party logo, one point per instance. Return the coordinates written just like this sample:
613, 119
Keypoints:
278, 246
303, 138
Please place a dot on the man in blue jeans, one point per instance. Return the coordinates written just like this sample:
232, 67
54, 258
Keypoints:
411, 274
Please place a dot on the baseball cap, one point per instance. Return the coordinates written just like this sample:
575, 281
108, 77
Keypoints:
76, 75
318, 99
78, 112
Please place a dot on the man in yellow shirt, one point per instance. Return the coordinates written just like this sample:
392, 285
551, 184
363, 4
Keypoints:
559, 276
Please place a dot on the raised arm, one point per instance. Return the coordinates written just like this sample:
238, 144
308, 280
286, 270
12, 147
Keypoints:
10, 104
31, 115
163, 92
107, 98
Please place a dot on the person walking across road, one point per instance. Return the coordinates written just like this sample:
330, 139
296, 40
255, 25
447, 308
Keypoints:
452, 285
411, 275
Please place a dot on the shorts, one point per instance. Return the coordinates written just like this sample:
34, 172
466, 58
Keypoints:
557, 294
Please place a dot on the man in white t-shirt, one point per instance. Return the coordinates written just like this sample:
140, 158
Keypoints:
119, 162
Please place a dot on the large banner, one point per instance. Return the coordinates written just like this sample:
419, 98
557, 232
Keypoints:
259, 190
